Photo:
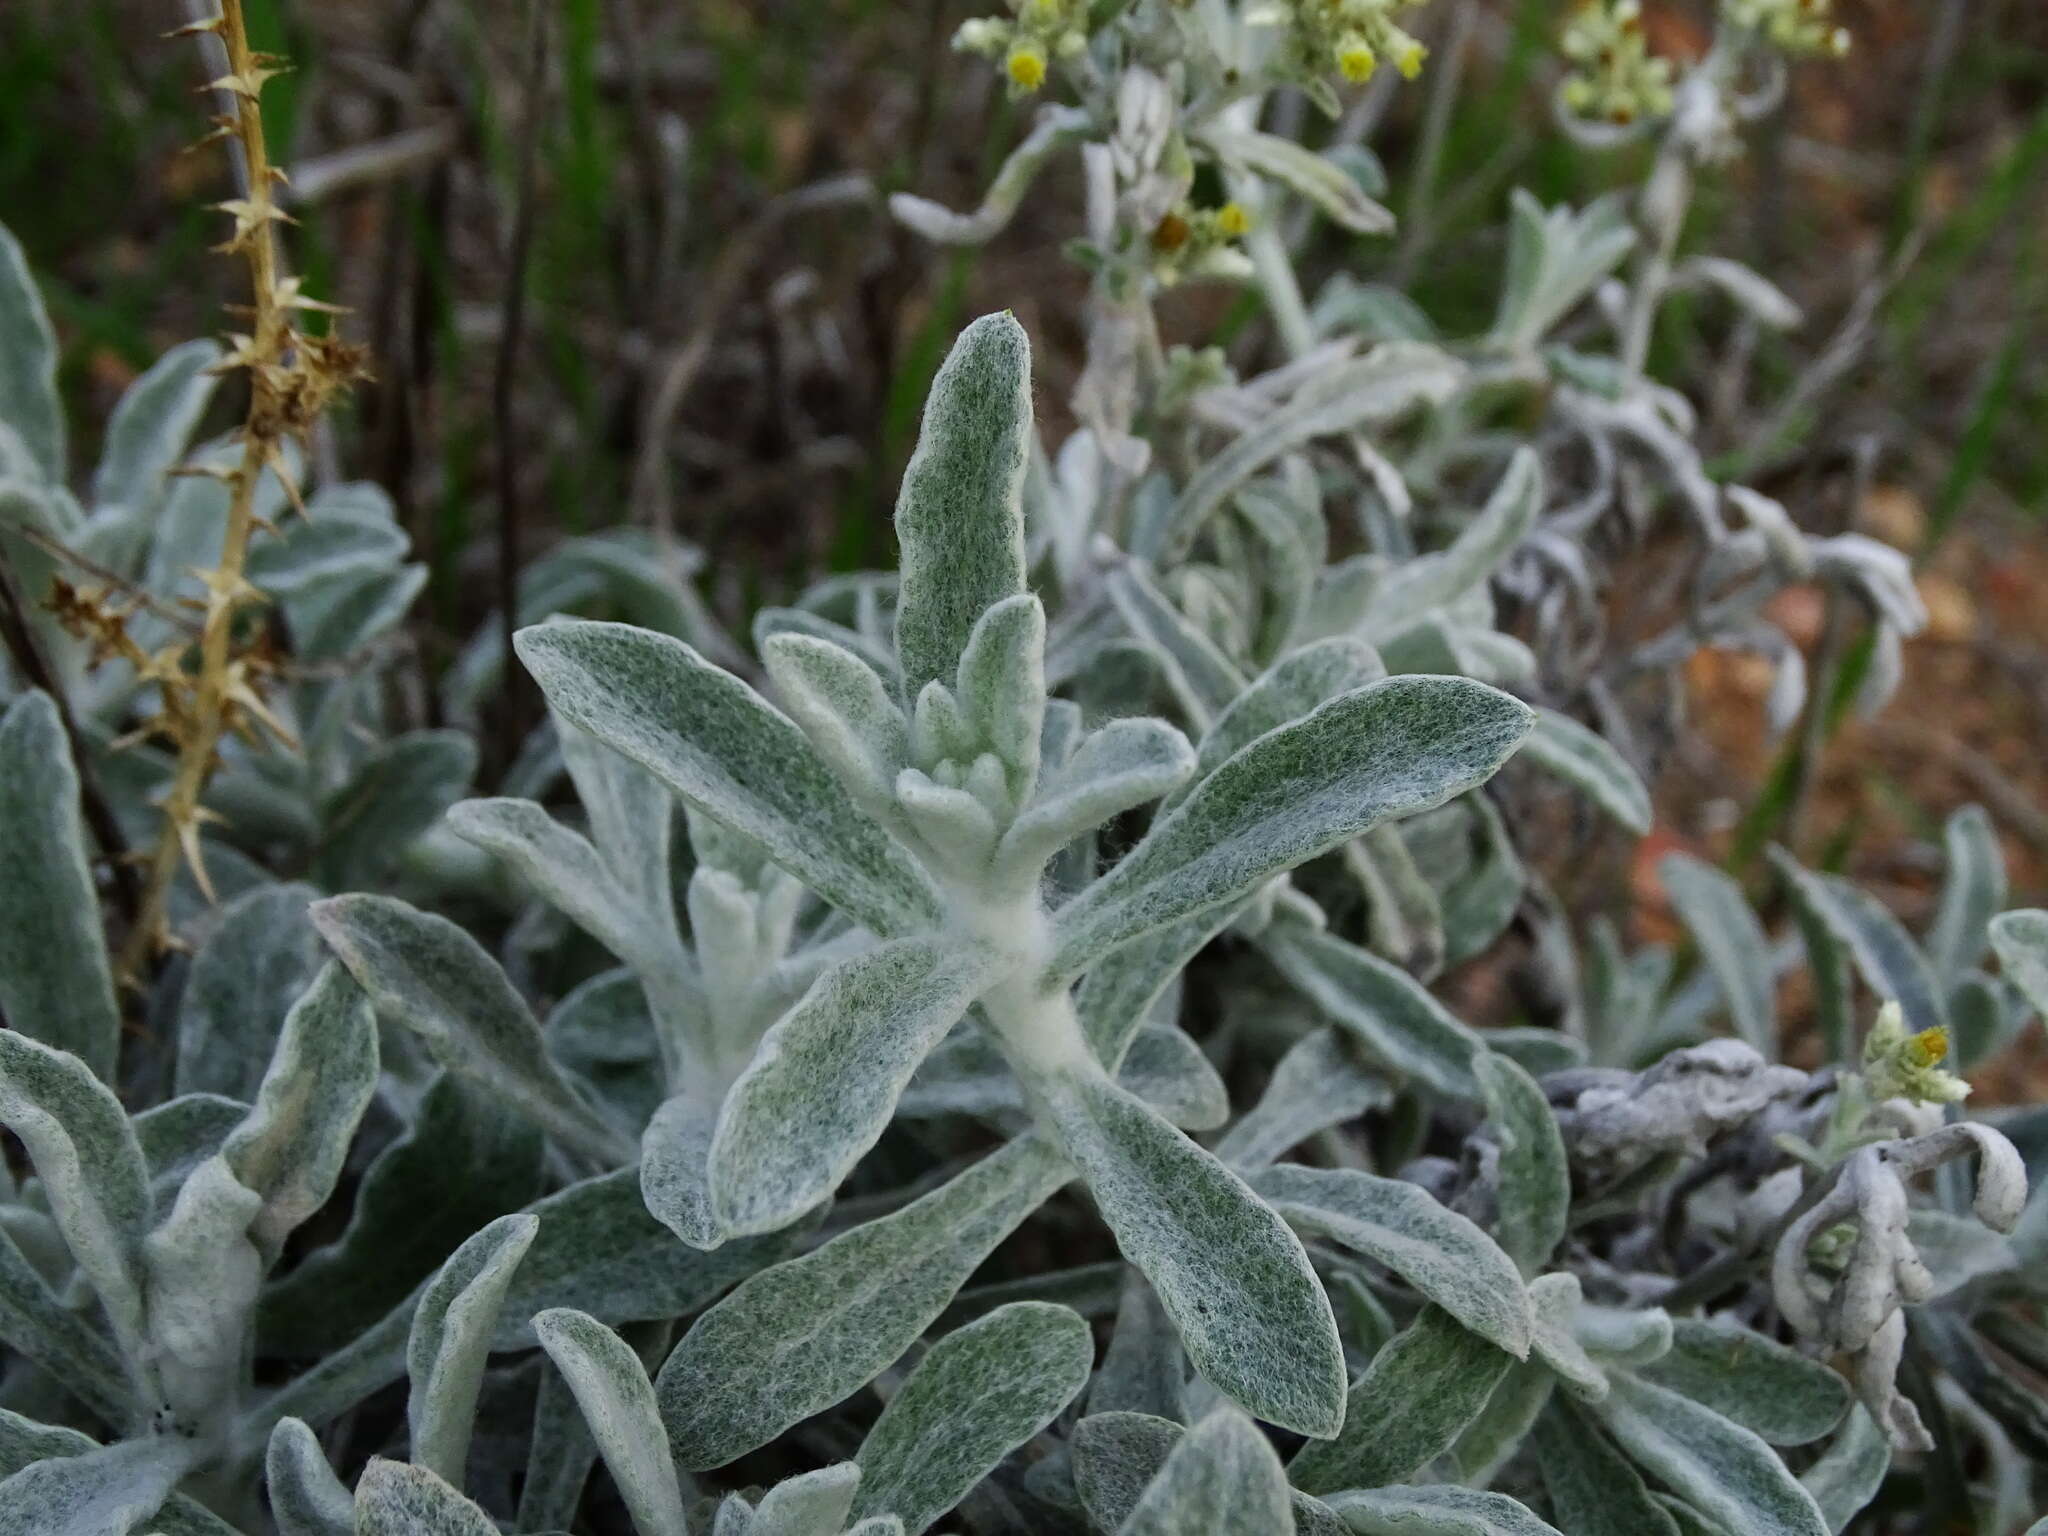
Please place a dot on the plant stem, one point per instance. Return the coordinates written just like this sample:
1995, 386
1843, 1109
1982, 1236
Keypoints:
227, 586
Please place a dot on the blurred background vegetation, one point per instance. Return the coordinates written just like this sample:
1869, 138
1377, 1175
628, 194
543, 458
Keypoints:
626, 261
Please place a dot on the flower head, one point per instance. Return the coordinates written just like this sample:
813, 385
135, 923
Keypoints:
1898, 1065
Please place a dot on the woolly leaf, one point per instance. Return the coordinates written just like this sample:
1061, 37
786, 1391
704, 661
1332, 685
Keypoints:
55, 983
813, 1504
1423, 1388
1593, 1488
1535, 1181
35, 1324
729, 754
151, 426
1389, 749
1230, 1274
451, 1340
1774, 1392
1435, 1511
1731, 941
1717, 1466
291, 1149
1588, 761
394, 1499
1380, 1006
1886, 956
28, 364
1847, 1475
1222, 1479
797, 1338
1295, 686
675, 1170
86, 1153
1318, 1084
2021, 940
1117, 1457
107, 1491
1442, 1254
426, 973
260, 957
1124, 764
306, 1498
823, 1084
980, 1392
1971, 892
959, 514
617, 1400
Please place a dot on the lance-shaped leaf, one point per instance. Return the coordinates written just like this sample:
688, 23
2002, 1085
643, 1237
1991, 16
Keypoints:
108, 1491
1054, 128
675, 1170
795, 1339
630, 811
1423, 1388
1436, 1511
1588, 761
1202, 678
849, 713
1319, 179
617, 1400
1498, 1430
1118, 1456
1389, 749
1718, 1467
1534, 1180
1439, 580
812, 1504
823, 1084
55, 983
245, 978
960, 513
1295, 686
466, 1159
1230, 1274
1847, 1475
1222, 1479
1319, 1083
451, 1339
559, 1458
2021, 941
1124, 764
1731, 941
731, 755
981, 1392
36, 1325
1556, 1303
1774, 1392
1440, 1253
85, 1150
291, 1149
1885, 954
1392, 379
1380, 1006
1593, 1488
28, 364
394, 1499
152, 423
1972, 890
306, 1498
426, 973
563, 866
1116, 995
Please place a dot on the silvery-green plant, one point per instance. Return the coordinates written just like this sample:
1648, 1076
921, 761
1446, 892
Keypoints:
1010, 1097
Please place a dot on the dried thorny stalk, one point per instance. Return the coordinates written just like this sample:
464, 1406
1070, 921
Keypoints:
292, 378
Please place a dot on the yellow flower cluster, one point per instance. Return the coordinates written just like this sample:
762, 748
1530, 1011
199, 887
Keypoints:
1798, 27
1615, 78
1189, 241
1897, 1065
1027, 41
1351, 37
